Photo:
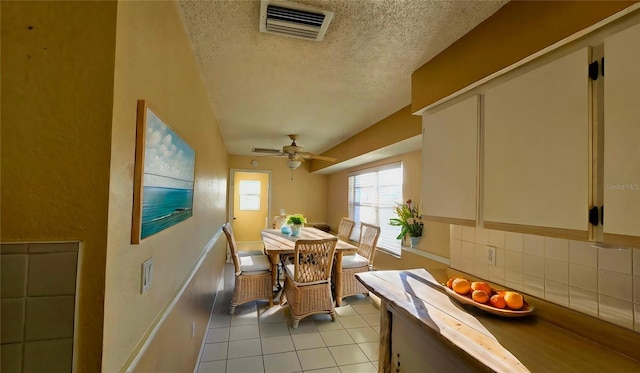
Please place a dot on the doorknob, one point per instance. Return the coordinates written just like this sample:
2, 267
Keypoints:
234, 218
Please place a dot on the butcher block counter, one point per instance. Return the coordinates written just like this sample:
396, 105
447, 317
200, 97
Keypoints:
422, 329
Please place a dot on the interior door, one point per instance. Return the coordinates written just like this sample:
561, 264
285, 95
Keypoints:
250, 204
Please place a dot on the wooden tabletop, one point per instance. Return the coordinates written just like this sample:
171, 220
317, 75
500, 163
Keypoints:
521, 343
274, 240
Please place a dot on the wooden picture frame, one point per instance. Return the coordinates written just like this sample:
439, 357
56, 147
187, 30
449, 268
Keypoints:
164, 176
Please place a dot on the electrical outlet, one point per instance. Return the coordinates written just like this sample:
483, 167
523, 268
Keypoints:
147, 275
491, 255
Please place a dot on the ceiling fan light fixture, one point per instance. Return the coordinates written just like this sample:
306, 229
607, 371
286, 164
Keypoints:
293, 164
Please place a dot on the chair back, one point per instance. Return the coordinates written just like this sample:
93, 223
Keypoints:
313, 260
226, 228
345, 229
279, 221
369, 234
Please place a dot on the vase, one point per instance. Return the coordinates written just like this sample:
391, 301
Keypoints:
295, 229
404, 242
415, 241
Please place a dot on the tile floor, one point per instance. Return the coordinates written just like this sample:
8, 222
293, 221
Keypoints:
260, 339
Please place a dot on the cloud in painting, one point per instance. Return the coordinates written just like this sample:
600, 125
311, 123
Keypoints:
169, 161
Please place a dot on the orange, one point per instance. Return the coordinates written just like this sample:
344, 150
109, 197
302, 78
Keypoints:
514, 300
450, 281
480, 296
480, 285
497, 300
461, 286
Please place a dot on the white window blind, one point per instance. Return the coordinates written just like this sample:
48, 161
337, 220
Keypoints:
373, 194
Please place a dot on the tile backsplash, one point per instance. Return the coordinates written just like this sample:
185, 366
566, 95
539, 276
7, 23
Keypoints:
38, 306
604, 283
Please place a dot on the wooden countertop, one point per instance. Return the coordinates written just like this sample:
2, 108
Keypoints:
505, 344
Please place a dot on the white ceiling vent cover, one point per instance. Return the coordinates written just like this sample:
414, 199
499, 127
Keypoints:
293, 20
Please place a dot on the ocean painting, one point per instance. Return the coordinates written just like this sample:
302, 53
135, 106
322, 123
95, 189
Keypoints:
167, 178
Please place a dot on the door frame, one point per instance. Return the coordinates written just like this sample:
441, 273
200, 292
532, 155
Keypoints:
231, 192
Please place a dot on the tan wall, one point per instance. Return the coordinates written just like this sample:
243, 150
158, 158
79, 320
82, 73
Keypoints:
154, 61
305, 194
57, 92
173, 349
398, 126
435, 237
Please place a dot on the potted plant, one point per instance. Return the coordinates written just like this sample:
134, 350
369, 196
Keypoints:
410, 220
296, 222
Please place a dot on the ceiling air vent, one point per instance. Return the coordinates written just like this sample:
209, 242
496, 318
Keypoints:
293, 20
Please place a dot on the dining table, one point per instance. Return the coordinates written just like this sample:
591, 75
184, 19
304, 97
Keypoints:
277, 244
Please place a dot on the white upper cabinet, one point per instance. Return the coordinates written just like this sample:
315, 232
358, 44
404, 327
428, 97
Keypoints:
622, 137
449, 150
536, 150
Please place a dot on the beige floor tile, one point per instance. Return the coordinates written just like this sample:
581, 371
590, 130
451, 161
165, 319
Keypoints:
372, 320
237, 333
370, 349
245, 365
316, 358
358, 368
220, 321
282, 363
357, 299
274, 314
217, 335
305, 326
346, 311
274, 329
366, 334
245, 348
215, 351
366, 309
244, 318
353, 322
326, 325
337, 337
307, 341
219, 366
348, 354
324, 370
273, 345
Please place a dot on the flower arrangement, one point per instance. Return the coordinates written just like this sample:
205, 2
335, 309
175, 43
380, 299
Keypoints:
409, 218
296, 219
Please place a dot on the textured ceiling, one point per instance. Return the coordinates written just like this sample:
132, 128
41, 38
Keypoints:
265, 86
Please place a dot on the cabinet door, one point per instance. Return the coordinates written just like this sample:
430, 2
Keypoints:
622, 138
449, 150
536, 150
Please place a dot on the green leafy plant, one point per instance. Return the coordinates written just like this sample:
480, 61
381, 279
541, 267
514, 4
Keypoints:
296, 219
409, 218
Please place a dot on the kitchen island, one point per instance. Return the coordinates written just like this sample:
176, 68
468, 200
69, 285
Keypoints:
422, 329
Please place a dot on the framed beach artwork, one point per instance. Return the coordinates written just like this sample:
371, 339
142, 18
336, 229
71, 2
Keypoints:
164, 174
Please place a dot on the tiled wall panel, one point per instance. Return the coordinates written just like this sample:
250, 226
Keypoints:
604, 283
38, 306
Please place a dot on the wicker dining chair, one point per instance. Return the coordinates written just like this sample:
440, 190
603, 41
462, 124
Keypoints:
307, 287
345, 229
361, 261
252, 273
279, 221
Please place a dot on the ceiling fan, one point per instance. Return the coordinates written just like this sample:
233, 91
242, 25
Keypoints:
295, 153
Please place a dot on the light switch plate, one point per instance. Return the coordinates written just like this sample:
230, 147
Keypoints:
147, 275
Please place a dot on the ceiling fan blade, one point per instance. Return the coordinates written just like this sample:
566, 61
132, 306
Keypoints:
319, 157
268, 151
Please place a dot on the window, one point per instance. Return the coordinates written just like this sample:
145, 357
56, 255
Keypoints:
249, 195
373, 194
